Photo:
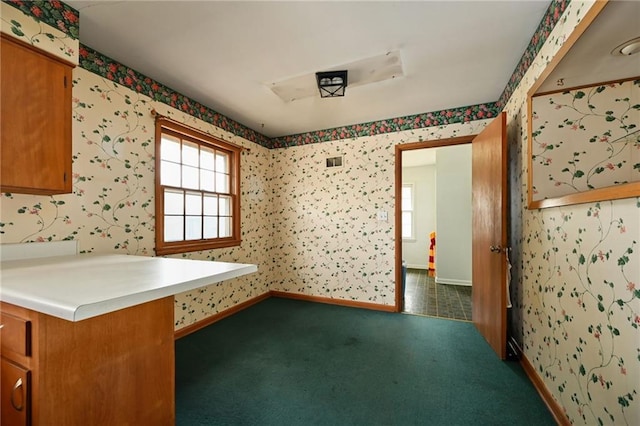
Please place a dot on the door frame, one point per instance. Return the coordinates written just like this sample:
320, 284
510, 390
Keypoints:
399, 149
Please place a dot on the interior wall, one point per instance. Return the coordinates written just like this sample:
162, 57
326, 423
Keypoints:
111, 209
576, 271
416, 251
330, 243
453, 206
585, 138
575, 279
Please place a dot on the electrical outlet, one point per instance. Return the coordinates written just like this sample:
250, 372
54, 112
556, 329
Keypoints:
383, 215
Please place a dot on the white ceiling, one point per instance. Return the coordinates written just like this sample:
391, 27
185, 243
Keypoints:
419, 157
228, 55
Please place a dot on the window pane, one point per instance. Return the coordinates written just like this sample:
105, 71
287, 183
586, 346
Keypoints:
210, 227
406, 191
225, 227
406, 204
194, 204
196, 180
194, 228
173, 228
170, 148
207, 158
222, 183
407, 198
207, 180
407, 219
173, 202
190, 154
225, 206
222, 162
211, 205
169, 174
190, 177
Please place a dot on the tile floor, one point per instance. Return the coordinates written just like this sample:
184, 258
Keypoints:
422, 296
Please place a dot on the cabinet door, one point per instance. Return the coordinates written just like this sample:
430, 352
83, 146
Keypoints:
15, 394
35, 115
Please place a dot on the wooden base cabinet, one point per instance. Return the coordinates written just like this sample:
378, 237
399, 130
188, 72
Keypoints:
114, 369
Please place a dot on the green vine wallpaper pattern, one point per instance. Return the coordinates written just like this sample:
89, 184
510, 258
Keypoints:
586, 139
114, 71
576, 299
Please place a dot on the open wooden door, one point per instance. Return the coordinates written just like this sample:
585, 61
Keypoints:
489, 194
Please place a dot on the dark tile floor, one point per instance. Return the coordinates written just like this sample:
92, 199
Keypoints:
422, 296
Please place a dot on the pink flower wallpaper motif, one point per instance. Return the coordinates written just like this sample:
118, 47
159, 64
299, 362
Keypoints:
576, 269
586, 138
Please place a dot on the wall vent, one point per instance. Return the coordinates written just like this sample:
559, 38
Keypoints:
334, 162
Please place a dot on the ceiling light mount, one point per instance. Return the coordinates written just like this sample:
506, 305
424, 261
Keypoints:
331, 84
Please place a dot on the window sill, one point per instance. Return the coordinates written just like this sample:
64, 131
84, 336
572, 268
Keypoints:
187, 247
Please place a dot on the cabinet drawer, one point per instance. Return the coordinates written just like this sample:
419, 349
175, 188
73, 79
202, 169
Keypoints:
15, 395
16, 335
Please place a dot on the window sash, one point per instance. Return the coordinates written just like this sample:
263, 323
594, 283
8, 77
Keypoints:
407, 207
198, 205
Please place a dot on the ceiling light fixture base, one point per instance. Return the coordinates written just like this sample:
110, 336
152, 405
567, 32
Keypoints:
331, 84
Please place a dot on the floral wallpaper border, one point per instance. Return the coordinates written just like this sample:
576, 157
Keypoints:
54, 13
549, 21
104, 66
96, 62
391, 125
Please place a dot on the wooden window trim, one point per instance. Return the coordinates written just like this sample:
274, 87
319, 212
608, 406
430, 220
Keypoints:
166, 125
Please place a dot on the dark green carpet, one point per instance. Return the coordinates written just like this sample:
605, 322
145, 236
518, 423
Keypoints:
286, 362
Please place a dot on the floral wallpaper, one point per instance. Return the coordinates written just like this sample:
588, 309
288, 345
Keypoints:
57, 40
392, 125
313, 230
54, 13
111, 209
575, 279
330, 243
549, 20
108, 68
585, 139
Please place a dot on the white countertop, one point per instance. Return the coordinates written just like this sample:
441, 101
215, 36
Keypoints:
83, 286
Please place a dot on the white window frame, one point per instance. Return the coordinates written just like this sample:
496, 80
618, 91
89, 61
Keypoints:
411, 211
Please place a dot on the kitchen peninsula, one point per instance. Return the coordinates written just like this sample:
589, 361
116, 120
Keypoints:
88, 339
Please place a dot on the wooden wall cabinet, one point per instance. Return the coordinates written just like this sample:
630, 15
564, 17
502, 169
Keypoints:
113, 369
35, 116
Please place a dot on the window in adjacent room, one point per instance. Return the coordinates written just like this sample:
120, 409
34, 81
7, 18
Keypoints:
407, 211
197, 190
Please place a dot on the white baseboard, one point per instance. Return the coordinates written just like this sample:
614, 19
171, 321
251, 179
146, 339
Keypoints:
451, 281
414, 266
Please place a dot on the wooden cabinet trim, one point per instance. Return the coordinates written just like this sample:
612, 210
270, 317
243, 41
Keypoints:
16, 334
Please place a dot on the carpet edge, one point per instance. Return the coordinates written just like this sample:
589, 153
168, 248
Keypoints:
184, 331
331, 301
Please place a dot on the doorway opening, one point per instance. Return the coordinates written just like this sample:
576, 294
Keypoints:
433, 228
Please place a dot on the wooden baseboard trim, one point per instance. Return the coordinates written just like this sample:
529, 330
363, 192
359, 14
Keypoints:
556, 410
330, 301
220, 315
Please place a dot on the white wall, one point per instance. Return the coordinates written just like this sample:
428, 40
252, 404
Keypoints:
416, 252
453, 209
